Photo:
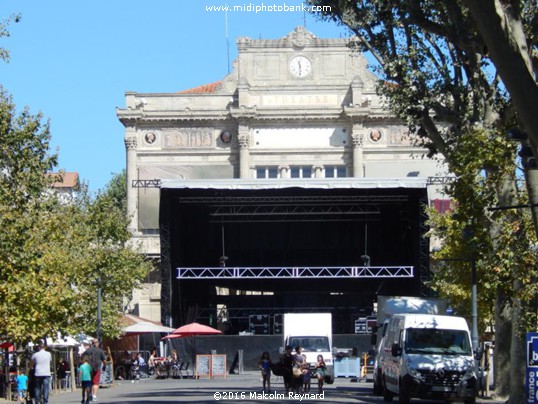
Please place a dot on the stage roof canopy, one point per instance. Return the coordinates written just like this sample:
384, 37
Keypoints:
307, 183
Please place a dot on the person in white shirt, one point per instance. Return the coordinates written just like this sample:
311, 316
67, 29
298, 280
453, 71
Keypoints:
41, 361
140, 360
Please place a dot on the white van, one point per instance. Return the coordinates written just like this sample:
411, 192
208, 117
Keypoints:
428, 356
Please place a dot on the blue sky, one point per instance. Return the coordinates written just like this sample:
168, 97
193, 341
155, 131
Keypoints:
73, 61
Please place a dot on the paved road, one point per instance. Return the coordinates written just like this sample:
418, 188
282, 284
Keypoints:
236, 388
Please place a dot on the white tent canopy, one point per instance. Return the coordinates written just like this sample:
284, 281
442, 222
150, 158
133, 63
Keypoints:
62, 342
144, 328
139, 325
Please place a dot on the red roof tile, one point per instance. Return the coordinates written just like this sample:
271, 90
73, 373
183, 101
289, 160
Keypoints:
65, 180
203, 89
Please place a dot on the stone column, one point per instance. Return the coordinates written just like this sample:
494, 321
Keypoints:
243, 139
318, 171
132, 193
357, 142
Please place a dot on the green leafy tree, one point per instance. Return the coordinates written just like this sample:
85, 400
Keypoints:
509, 29
437, 76
116, 189
4, 33
53, 256
24, 160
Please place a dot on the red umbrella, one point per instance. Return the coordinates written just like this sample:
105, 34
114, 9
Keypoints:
6, 345
195, 329
191, 330
172, 336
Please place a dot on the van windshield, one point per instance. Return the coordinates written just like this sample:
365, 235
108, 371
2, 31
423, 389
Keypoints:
436, 341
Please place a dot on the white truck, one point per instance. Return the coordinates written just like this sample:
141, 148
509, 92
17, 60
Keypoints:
428, 356
312, 332
387, 306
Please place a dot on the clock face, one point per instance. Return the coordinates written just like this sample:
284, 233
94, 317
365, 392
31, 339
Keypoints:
300, 66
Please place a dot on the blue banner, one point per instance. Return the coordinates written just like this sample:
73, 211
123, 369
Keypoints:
531, 387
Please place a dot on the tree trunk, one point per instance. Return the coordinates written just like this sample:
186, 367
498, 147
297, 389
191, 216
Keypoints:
517, 352
503, 336
503, 34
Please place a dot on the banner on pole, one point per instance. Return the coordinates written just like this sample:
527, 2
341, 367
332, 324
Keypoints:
531, 385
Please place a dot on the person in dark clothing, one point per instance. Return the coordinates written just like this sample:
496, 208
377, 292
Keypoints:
287, 361
97, 361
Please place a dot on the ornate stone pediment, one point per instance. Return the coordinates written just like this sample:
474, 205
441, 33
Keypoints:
300, 37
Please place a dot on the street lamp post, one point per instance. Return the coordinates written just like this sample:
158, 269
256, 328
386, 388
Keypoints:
99, 332
474, 307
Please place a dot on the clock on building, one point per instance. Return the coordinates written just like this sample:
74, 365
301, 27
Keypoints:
300, 66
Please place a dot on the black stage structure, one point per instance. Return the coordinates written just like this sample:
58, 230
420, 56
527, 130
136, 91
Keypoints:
280, 246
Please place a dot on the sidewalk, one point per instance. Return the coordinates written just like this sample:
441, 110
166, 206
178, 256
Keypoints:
244, 388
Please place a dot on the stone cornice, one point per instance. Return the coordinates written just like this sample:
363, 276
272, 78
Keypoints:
254, 113
300, 38
184, 115
212, 152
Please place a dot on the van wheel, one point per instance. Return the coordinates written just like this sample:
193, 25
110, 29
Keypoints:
387, 395
378, 388
403, 397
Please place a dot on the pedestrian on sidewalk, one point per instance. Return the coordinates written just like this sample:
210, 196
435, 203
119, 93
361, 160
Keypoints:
85, 377
41, 363
97, 360
265, 366
22, 386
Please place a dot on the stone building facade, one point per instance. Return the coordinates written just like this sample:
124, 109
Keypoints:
297, 107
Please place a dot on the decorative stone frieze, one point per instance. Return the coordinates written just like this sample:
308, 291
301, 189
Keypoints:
300, 37
243, 141
357, 139
130, 143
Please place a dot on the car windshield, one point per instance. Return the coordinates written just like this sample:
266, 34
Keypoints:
432, 340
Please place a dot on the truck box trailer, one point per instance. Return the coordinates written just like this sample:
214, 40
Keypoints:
312, 332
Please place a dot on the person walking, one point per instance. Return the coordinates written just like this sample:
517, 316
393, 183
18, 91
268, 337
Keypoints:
85, 377
302, 381
22, 386
151, 362
286, 365
41, 361
97, 360
265, 366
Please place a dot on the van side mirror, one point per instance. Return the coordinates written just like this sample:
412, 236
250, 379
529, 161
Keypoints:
396, 350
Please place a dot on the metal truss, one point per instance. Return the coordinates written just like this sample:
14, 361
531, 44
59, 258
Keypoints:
311, 200
245, 312
318, 212
424, 253
155, 183
294, 272
293, 208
